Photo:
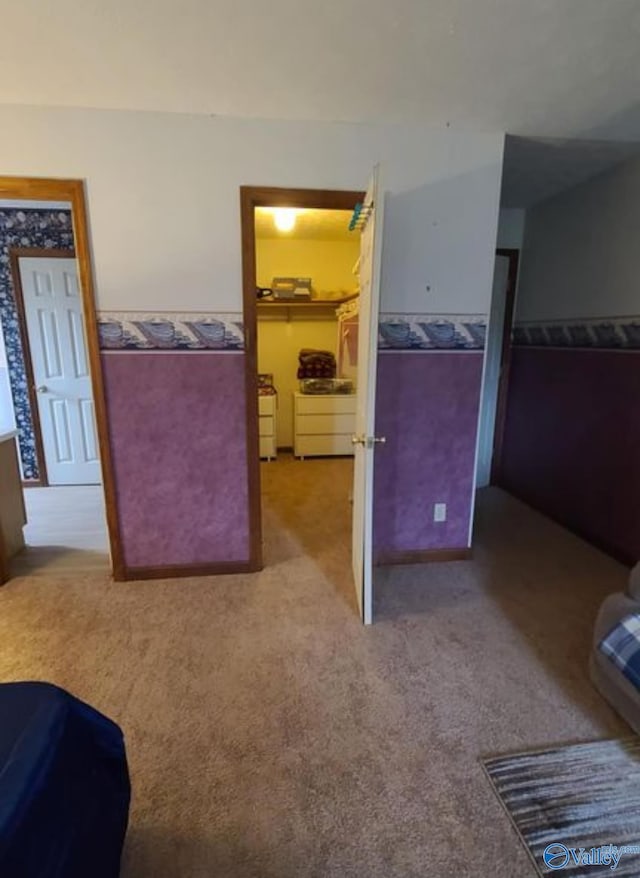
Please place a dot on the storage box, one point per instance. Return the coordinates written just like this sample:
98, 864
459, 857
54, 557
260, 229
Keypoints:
289, 288
316, 386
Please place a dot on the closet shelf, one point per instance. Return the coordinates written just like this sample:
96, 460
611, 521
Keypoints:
305, 303
310, 305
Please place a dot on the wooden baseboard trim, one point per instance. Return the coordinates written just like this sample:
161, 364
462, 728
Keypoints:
422, 556
132, 574
602, 545
34, 483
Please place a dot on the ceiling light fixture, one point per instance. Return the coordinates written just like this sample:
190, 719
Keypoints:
284, 218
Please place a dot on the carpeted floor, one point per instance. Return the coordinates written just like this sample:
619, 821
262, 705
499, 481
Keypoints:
271, 735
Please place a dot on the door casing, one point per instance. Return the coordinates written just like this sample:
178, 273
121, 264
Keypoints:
73, 191
250, 198
505, 362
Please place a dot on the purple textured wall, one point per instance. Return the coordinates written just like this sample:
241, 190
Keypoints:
177, 428
572, 441
427, 407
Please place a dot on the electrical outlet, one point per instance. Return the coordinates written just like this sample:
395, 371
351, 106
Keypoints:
439, 512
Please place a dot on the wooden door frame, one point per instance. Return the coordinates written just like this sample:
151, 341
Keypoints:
15, 255
4, 561
73, 191
250, 198
513, 255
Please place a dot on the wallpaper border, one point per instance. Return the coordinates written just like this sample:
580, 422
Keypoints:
145, 331
432, 332
170, 331
601, 333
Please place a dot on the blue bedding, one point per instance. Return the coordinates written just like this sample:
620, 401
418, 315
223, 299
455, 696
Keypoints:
622, 646
64, 786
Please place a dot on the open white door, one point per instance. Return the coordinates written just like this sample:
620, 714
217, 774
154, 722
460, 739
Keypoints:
364, 440
55, 327
491, 384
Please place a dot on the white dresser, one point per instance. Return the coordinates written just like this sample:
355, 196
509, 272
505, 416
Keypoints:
323, 424
267, 425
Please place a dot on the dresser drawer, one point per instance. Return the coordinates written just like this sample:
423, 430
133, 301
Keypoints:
268, 446
266, 425
266, 405
323, 424
316, 446
322, 405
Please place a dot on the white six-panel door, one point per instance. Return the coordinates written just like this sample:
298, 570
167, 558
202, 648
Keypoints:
55, 326
364, 439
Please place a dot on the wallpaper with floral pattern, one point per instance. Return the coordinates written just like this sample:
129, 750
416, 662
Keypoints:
47, 229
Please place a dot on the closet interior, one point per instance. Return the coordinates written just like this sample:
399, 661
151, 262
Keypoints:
307, 318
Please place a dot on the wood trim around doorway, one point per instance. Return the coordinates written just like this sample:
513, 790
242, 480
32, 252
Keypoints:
4, 562
73, 191
505, 362
250, 198
15, 254
422, 556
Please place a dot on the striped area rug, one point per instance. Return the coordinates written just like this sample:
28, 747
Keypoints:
570, 805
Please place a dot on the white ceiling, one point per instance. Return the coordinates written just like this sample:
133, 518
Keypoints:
561, 68
311, 225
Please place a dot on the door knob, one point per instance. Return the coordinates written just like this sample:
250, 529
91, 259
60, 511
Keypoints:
368, 441
42, 388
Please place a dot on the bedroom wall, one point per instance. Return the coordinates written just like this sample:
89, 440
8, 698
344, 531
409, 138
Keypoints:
511, 223
164, 214
572, 436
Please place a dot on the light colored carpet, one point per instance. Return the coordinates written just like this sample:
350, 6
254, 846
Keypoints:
270, 734
66, 532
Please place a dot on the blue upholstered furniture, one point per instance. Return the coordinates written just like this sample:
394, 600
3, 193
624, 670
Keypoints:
64, 786
611, 662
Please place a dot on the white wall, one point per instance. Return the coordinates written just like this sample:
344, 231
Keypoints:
511, 228
329, 264
164, 203
581, 256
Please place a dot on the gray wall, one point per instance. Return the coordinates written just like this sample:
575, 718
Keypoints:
511, 228
581, 256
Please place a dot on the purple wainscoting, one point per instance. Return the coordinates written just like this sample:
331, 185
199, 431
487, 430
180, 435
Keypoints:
572, 441
177, 430
427, 407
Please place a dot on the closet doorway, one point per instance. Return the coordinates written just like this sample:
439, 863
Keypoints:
303, 289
